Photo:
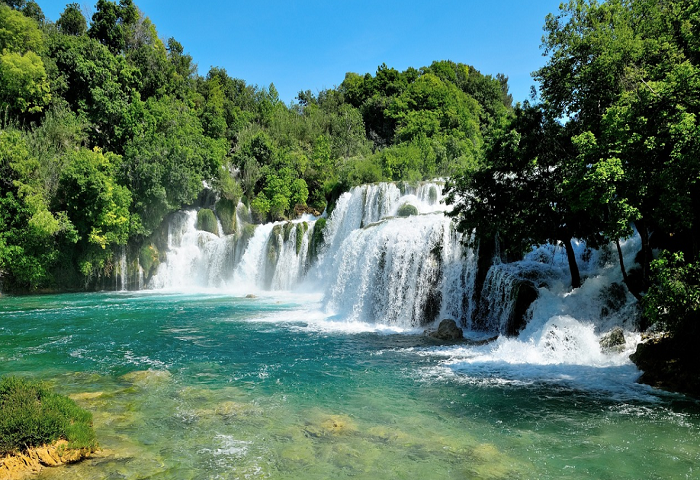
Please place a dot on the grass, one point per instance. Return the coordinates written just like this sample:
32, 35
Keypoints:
31, 415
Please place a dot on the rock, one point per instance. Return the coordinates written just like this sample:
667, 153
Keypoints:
250, 295
525, 292
25, 465
206, 221
670, 364
448, 330
148, 377
613, 341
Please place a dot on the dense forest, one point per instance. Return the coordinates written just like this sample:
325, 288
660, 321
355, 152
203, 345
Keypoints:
106, 129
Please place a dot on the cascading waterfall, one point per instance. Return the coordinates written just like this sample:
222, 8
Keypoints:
373, 266
393, 272
376, 267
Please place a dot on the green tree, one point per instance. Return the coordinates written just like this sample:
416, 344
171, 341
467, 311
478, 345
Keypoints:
24, 86
18, 34
72, 21
518, 193
97, 205
167, 158
112, 22
29, 232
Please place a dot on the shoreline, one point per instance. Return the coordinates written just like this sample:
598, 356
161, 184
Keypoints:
25, 465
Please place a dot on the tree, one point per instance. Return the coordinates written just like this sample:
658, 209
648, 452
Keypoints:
167, 157
32, 10
626, 75
18, 34
29, 231
72, 21
24, 86
111, 23
96, 205
518, 193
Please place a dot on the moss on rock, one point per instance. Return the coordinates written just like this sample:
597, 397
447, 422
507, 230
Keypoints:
406, 210
149, 259
317, 238
302, 228
206, 221
226, 211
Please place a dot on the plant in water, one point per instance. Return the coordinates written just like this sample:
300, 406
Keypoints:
31, 416
206, 220
406, 210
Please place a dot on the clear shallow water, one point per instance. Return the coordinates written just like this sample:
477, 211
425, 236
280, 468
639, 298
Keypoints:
210, 386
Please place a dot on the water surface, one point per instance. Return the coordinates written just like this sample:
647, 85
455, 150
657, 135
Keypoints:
214, 386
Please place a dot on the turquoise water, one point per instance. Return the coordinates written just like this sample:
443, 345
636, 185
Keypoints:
210, 386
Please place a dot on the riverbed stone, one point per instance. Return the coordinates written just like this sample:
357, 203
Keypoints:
613, 341
448, 330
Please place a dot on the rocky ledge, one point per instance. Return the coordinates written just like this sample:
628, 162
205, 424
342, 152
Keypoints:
25, 465
669, 364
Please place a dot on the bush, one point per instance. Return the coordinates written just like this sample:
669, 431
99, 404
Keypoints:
31, 416
226, 211
406, 210
206, 221
673, 299
317, 238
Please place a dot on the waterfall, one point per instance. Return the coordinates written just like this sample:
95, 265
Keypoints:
120, 273
394, 272
374, 266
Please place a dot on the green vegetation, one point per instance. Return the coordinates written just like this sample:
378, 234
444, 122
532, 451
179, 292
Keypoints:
612, 143
406, 210
206, 221
105, 129
31, 416
226, 212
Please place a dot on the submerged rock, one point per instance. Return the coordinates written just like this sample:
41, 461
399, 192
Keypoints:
448, 330
24, 465
613, 341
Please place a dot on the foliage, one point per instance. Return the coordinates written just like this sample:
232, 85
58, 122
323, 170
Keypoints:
406, 210
96, 205
29, 231
164, 133
72, 21
18, 34
31, 416
673, 300
24, 86
226, 212
206, 221
167, 158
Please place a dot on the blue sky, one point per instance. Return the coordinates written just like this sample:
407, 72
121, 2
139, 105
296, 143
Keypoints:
300, 45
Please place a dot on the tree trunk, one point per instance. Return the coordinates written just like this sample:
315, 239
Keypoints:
646, 249
573, 267
633, 291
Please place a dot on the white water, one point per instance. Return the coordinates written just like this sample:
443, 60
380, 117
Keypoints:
377, 271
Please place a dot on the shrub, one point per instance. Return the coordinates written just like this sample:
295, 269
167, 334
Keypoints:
226, 211
406, 210
673, 299
31, 416
206, 220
